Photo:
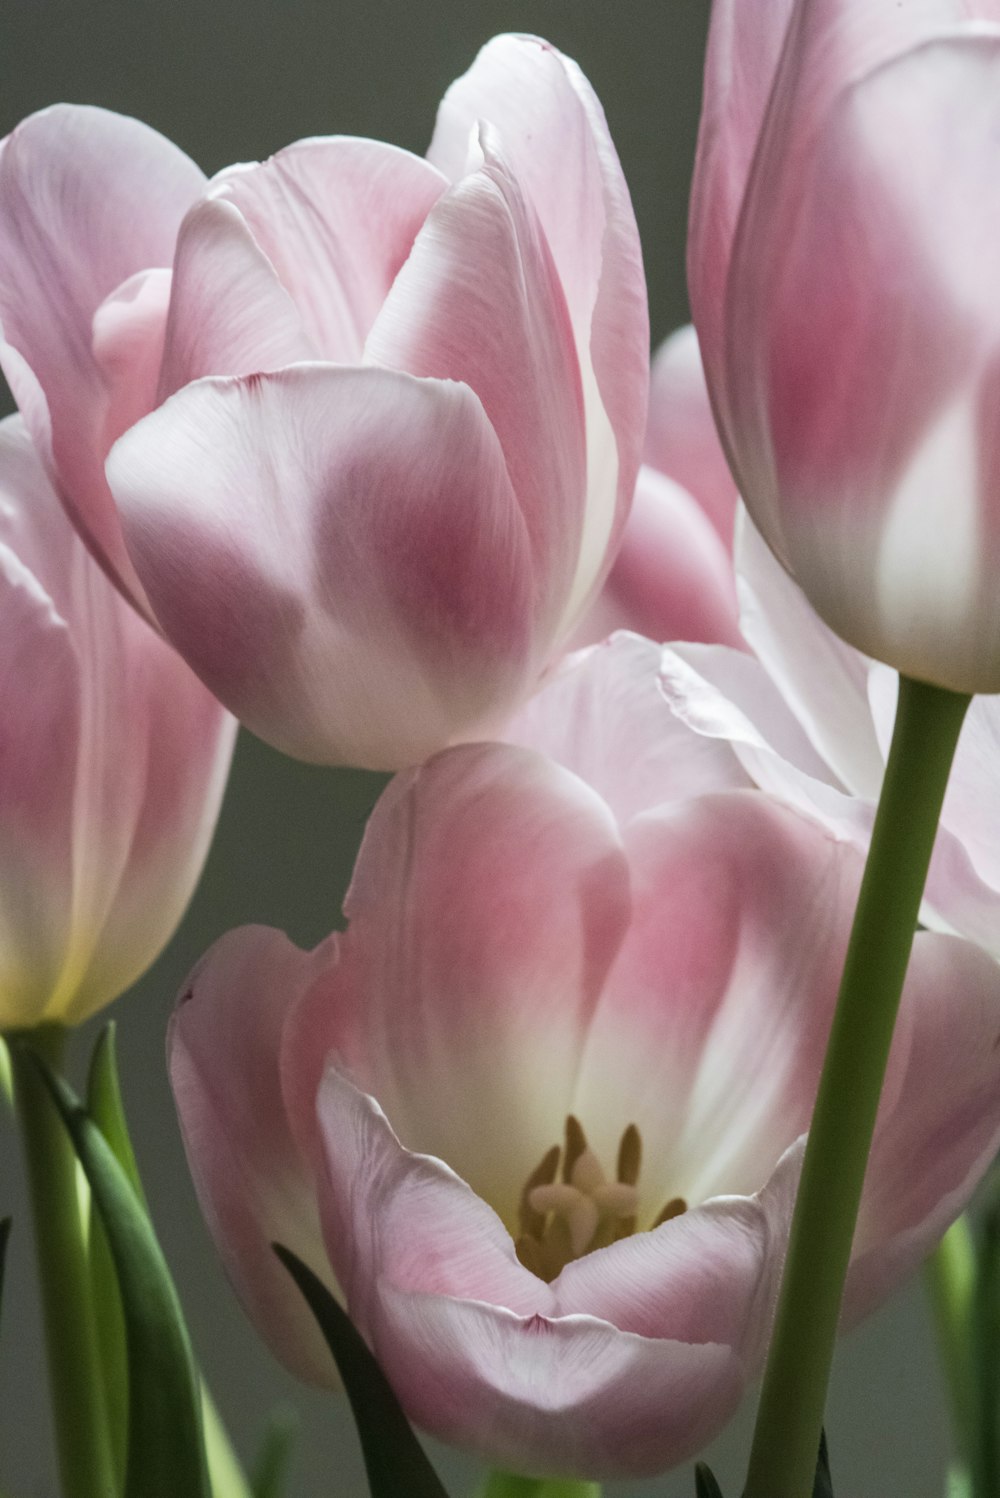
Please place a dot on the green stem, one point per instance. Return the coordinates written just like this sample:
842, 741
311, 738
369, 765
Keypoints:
790, 1416
950, 1278
509, 1485
85, 1462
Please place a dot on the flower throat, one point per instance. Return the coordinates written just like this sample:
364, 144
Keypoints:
569, 1207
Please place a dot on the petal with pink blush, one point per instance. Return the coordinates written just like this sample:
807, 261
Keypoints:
488, 901
339, 555
744, 48
87, 200
336, 219
673, 578
229, 313
713, 1022
681, 436
128, 333
554, 134
473, 1343
479, 301
603, 715
933, 1145
252, 1182
570, 1397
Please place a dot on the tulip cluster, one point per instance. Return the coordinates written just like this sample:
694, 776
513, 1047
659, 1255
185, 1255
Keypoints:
365, 448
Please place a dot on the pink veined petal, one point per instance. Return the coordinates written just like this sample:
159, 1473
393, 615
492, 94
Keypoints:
479, 301
672, 578
571, 1397
470, 1339
336, 219
252, 1182
850, 422
603, 716
713, 1021
488, 900
555, 136
337, 553
229, 314
933, 1145
681, 436
87, 199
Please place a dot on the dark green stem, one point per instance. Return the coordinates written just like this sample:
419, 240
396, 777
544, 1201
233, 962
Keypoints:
950, 1278
790, 1416
85, 1462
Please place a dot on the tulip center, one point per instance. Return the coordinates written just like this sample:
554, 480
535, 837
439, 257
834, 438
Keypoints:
569, 1207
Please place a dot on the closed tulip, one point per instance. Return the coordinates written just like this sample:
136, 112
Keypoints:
538, 1113
382, 414
113, 759
842, 271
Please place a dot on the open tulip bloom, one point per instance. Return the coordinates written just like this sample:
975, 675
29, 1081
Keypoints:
538, 1111
631, 1077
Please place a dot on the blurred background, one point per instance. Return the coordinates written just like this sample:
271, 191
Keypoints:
233, 80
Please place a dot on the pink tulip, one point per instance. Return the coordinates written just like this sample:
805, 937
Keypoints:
810, 719
844, 226
593, 959
673, 576
382, 419
113, 759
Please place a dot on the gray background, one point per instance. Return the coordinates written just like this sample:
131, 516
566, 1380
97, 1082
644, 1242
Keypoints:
234, 80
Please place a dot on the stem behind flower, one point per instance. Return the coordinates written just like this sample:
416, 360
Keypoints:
790, 1417
85, 1460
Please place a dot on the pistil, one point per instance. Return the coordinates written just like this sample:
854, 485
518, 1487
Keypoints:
563, 1219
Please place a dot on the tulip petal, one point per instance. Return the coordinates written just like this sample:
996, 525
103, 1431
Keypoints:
479, 301
681, 436
713, 1023
672, 578
823, 681
338, 554
467, 1336
40, 673
113, 765
229, 313
744, 48
603, 716
253, 1184
488, 900
336, 219
87, 199
553, 132
932, 1147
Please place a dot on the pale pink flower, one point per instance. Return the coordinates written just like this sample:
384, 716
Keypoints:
842, 268
673, 576
382, 414
589, 959
113, 759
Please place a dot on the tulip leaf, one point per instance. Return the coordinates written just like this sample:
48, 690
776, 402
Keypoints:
823, 1484
705, 1485
105, 1106
271, 1467
394, 1459
4, 1239
166, 1455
